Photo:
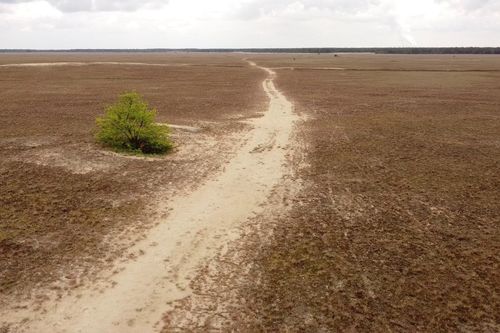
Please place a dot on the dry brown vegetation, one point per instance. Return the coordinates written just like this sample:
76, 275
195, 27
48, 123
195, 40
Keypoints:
396, 228
383, 62
398, 225
62, 196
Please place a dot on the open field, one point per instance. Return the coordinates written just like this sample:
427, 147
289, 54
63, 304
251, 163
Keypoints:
399, 230
385, 219
397, 226
61, 195
382, 62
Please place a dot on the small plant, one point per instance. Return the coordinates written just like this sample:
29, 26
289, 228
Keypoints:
129, 125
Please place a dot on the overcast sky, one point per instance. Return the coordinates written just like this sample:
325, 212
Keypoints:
61, 24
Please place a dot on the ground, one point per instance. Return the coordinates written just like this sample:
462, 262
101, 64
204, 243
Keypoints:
62, 195
399, 227
386, 218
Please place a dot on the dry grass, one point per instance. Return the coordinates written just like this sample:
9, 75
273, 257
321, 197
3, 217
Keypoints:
61, 196
168, 58
385, 62
397, 228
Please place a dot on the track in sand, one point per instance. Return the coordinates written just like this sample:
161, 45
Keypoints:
199, 224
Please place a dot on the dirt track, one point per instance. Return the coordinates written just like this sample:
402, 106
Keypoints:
136, 296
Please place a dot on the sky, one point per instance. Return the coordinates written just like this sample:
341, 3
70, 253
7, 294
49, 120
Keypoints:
66, 24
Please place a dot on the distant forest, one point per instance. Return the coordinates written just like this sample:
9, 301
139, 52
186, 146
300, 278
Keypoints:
388, 50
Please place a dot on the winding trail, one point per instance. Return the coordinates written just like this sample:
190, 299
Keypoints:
198, 226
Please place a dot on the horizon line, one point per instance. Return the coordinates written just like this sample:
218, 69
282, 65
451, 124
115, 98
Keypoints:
392, 49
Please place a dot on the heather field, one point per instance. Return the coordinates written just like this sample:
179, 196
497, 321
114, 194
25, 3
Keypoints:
305, 193
398, 223
62, 195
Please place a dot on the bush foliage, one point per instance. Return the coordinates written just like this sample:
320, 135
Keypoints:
129, 125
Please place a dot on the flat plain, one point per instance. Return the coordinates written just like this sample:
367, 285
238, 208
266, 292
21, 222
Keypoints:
61, 194
387, 219
397, 228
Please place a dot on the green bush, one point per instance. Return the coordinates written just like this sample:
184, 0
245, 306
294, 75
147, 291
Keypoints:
129, 125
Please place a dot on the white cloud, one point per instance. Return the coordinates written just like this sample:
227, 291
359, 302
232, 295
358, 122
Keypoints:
467, 5
96, 5
247, 23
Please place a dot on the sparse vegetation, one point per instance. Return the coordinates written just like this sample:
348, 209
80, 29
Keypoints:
129, 125
394, 228
75, 211
398, 227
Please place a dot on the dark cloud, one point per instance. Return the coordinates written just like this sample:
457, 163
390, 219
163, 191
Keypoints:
96, 5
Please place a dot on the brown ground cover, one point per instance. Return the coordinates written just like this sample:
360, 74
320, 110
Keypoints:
382, 62
170, 58
397, 228
62, 196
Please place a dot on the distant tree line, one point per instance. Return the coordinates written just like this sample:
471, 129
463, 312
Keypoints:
384, 50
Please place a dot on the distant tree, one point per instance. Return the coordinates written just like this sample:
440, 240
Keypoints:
129, 125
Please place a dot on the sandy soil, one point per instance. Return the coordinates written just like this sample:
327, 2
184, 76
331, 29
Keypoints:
135, 295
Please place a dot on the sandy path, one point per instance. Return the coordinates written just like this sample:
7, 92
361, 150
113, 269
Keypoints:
199, 224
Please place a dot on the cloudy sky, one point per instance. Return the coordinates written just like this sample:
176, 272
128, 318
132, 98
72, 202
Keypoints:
61, 24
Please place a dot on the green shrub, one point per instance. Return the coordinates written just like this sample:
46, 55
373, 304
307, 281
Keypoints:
129, 125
